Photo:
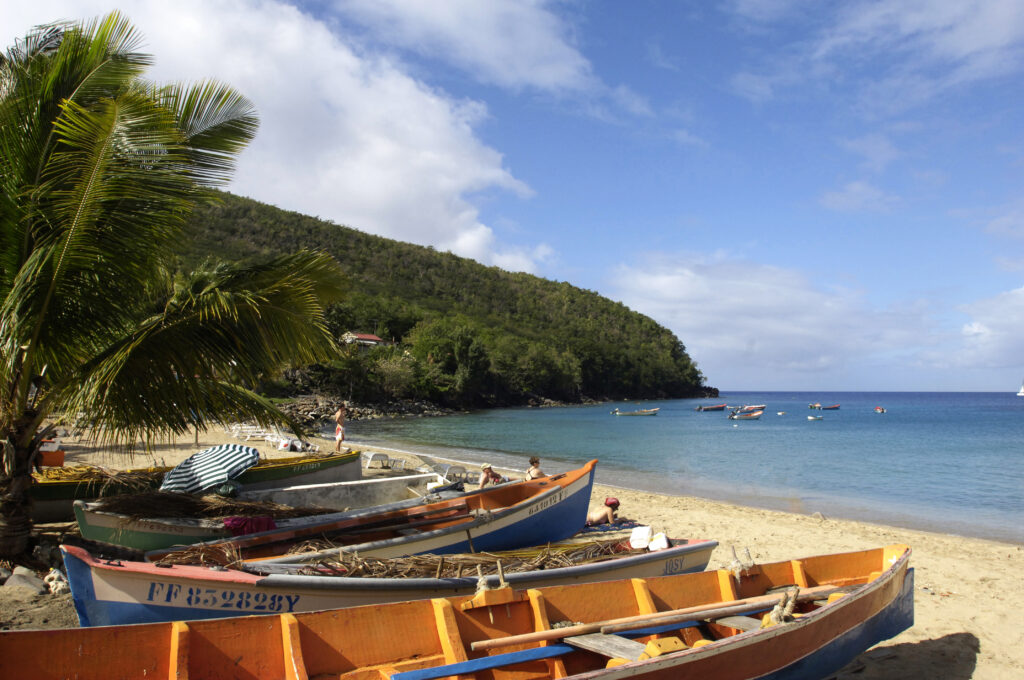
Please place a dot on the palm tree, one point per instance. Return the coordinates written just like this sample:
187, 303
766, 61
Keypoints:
99, 171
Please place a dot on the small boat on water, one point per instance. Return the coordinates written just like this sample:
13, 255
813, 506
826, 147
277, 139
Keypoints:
802, 618
879, 409
638, 412
512, 515
715, 407
101, 521
56, 490
752, 407
815, 405
815, 417
833, 407
107, 592
746, 415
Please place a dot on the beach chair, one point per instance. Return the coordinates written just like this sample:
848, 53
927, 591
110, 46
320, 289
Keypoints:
378, 460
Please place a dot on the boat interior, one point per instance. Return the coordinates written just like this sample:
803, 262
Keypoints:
499, 634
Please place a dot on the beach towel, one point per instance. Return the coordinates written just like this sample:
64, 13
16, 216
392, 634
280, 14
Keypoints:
239, 526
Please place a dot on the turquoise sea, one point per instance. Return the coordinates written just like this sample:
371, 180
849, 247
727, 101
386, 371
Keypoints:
950, 462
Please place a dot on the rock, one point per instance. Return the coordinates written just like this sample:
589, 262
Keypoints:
4, 574
29, 581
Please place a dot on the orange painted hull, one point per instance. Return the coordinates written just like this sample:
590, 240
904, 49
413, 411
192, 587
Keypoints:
426, 639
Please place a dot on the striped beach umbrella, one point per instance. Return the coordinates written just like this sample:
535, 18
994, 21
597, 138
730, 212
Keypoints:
210, 467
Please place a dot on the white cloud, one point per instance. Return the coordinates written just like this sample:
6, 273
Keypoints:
1010, 223
345, 135
506, 42
687, 138
896, 54
754, 87
876, 149
858, 197
741, 319
992, 338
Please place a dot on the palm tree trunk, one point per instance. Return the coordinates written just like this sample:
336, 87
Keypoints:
15, 505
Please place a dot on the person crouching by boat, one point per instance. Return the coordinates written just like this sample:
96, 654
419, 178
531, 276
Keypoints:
605, 514
489, 476
534, 472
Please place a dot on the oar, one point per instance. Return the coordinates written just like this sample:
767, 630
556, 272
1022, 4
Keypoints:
672, 616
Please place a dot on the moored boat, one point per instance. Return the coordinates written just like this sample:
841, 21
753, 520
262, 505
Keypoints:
512, 515
833, 407
714, 407
816, 405
54, 494
879, 409
803, 618
109, 592
638, 412
746, 415
815, 417
98, 523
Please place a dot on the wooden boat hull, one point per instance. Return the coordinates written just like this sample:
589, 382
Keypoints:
515, 515
641, 412
716, 407
156, 533
53, 500
125, 592
480, 634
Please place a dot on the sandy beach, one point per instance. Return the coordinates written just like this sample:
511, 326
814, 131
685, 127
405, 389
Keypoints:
967, 590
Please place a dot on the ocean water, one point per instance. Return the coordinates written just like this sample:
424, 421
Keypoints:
950, 462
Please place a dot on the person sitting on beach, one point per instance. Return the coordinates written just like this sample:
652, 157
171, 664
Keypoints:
534, 472
489, 476
604, 514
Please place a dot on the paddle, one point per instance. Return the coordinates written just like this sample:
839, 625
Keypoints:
673, 616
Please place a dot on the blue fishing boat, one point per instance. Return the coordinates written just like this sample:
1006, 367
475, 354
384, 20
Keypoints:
107, 592
512, 515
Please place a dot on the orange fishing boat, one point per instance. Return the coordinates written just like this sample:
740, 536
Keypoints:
802, 618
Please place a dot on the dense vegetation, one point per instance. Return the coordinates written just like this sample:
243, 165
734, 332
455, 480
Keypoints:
465, 334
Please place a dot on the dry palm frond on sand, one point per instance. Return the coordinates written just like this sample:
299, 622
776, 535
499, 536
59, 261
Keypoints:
169, 504
551, 556
124, 481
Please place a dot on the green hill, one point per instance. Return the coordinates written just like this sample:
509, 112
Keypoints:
466, 334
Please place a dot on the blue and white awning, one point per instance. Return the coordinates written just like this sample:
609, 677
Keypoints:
210, 467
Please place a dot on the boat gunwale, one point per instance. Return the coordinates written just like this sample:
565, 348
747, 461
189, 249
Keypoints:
762, 635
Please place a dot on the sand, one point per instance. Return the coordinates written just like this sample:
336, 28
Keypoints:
968, 591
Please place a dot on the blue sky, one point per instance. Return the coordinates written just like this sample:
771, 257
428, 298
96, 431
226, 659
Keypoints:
820, 196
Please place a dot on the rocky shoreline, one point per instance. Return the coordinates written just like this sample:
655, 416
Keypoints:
314, 412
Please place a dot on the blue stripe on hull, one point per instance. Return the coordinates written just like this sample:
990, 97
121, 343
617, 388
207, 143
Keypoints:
886, 624
556, 523
551, 524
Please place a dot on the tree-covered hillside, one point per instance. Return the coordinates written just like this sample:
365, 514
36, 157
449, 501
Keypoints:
466, 334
